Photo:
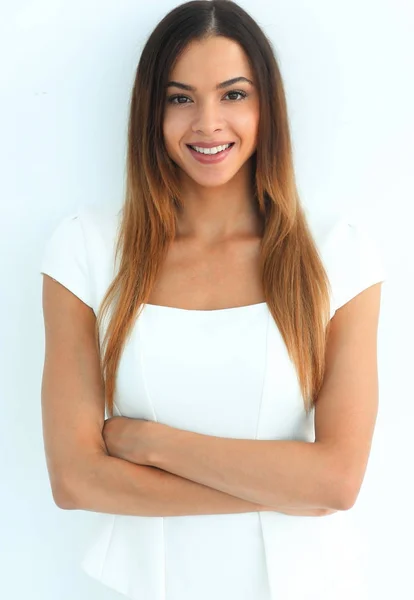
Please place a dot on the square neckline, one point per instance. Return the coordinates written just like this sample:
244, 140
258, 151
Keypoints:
206, 310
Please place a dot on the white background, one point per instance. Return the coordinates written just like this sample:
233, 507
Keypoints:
67, 70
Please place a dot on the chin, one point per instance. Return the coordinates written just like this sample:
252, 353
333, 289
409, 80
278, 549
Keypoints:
211, 180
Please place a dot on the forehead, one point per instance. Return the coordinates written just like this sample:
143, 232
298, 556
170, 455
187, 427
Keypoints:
201, 63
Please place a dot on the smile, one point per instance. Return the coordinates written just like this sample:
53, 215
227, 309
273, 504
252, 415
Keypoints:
211, 155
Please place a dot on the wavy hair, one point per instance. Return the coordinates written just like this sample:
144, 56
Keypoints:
295, 283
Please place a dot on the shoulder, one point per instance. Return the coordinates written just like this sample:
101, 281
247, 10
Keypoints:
91, 220
349, 251
98, 221
91, 230
325, 226
79, 251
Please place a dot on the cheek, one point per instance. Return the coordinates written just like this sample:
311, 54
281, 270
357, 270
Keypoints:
169, 138
167, 128
246, 123
173, 130
251, 121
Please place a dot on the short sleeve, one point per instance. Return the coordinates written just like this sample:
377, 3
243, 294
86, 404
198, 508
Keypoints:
65, 258
355, 261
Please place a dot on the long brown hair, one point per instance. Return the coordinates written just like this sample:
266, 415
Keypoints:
295, 283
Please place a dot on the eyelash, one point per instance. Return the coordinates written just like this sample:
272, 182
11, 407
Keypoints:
171, 99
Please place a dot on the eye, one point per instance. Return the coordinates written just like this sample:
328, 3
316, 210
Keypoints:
171, 99
242, 94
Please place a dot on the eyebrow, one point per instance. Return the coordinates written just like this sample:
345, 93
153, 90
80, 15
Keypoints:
219, 86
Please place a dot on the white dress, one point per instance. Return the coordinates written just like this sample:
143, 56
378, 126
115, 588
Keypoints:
225, 373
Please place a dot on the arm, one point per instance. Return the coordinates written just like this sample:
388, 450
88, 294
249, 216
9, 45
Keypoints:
292, 474
130, 440
326, 473
112, 485
81, 473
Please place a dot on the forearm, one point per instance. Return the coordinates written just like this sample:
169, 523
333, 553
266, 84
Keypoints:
295, 474
112, 485
116, 486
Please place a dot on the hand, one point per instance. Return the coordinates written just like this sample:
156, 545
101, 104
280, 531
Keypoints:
128, 438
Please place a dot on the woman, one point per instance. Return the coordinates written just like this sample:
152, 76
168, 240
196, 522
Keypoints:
229, 335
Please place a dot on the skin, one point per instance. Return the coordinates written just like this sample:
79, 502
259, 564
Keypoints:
217, 198
137, 441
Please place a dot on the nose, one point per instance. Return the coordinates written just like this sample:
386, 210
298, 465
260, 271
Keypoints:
208, 118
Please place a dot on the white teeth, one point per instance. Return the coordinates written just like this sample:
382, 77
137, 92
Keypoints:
210, 150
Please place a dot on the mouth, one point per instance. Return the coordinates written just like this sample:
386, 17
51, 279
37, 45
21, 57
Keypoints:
210, 158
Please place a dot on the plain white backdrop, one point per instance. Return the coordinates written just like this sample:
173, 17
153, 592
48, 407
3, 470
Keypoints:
67, 70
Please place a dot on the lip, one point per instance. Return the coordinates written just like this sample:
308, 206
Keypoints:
210, 158
210, 144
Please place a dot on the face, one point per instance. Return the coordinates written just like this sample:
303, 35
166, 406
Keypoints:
208, 114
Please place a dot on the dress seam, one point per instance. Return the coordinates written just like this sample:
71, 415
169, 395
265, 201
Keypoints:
264, 376
151, 404
260, 513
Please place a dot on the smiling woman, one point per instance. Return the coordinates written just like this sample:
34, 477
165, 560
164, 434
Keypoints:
240, 327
